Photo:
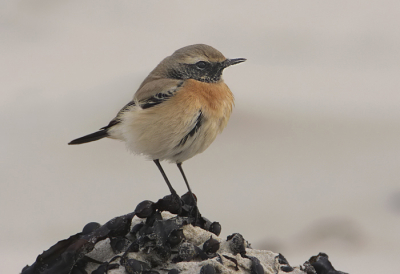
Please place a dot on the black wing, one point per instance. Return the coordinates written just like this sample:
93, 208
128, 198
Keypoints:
159, 97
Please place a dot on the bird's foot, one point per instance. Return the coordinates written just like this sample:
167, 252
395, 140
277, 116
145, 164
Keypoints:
191, 210
171, 203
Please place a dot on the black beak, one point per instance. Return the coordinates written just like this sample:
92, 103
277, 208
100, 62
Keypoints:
230, 62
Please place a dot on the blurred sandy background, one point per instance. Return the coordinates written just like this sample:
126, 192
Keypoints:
309, 161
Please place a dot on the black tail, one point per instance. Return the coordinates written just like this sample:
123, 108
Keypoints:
90, 137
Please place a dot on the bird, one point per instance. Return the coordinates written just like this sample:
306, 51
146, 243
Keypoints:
177, 111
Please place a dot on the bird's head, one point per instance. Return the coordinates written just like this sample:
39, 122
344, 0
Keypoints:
199, 62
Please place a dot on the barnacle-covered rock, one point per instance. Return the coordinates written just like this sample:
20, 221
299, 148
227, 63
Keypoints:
215, 228
322, 265
166, 237
211, 246
145, 209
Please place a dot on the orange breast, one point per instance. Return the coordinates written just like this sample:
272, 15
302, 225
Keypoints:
214, 99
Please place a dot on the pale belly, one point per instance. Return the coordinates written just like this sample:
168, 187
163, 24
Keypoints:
167, 138
171, 131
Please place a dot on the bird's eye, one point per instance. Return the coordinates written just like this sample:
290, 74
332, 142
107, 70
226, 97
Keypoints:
201, 64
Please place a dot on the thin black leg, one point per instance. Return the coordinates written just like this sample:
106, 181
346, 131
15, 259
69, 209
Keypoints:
173, 192
184, 176
186, 182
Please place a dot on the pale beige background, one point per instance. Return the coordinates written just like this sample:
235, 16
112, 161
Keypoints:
309, 161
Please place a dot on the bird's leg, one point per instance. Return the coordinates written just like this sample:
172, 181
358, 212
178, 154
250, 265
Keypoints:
173, 202
190, 191
173, 192
184, 177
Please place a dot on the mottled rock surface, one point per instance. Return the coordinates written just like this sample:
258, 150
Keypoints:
152, 240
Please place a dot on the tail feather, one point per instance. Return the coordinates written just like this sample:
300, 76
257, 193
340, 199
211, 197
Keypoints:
90, 137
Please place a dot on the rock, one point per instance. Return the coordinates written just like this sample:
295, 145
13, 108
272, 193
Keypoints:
161, 242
